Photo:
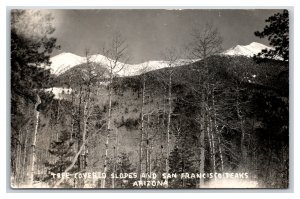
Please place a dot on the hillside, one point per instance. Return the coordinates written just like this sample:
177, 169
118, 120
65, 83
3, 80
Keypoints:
227, 75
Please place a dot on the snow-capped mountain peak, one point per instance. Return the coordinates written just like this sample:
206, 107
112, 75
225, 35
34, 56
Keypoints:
64, 61
247, 50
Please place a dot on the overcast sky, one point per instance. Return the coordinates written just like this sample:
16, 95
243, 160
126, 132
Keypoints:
149, 32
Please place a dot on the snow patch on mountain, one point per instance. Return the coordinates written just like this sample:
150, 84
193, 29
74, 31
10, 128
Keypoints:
59, 92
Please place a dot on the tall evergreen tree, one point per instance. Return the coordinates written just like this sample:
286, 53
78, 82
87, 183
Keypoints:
277, 32
31, 46
62, 152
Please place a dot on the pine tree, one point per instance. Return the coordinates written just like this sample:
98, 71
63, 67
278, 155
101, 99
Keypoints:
62, 152
183, 160
277, 32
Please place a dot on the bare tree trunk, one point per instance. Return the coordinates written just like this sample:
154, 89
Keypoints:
202, 156
169, 123
221, 152
208, 129
84, 135
78, 136
209, 137
147, 146
162, 135
142, 128
114, 169
202, 141
217, 133
150, 157
115, 158
108, 127
213, 145
33, 159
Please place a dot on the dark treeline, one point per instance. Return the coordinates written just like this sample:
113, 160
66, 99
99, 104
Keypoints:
222, 114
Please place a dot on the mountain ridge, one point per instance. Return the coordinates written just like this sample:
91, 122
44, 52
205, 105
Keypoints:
66, 60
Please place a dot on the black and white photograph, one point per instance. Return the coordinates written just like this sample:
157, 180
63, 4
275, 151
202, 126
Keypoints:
149, 98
